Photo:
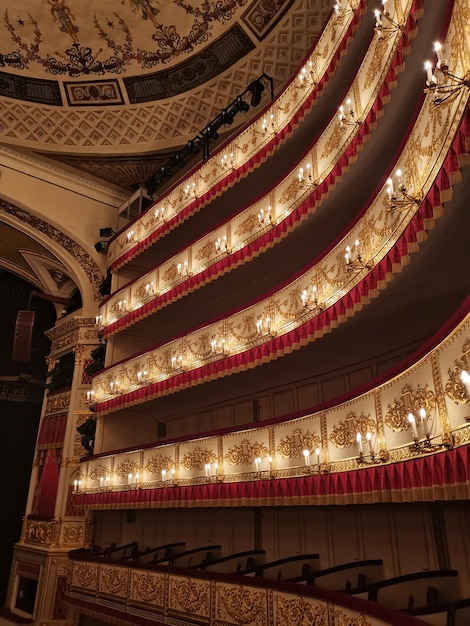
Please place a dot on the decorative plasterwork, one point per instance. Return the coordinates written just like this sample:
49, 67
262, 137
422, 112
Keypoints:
71, 247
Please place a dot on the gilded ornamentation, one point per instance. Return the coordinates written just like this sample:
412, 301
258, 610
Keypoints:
397, 414
157, 463
454, 387
299, 612
248, 225
148, 587
171, 274
344, 433
85, 575
291, 191
197, 459
99, 471
39, 532
72, 534
245, 453
80, 255
57, 403
294, 445
51, 363
376, 64
333, 142
341, 619
192, 595
127, 467
206, 252
241, 605
114, 580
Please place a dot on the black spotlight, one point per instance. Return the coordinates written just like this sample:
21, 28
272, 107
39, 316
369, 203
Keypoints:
193, 147
229, 116
100, 246
106, 232
105, 286
243, 105
256, 88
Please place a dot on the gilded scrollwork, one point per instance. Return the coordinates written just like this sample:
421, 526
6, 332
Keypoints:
241, 605
247, 226
344, 434
127, 467
114, 580
333, 141
99, 471
454, 387
171, 274
39, 532
292, 446
148, 587
299, 612
57, 402
156, 464
206, 251
85, 575
191, 595
291, 191
197, 459
396, 417
245, 453
341, 619
72, 534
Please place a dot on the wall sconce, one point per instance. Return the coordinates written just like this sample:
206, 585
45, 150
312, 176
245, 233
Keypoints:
405, 200
305, 177
347, 116
228, 161
465, 377
218, 346
190, 190
150, 289
130, 236
353, 258
447, 91
369, 457
182, 269
342, 8
268, 126
263, 327
265, 217
425, 444
306, 75
310, 300
114, 388
160, 214
392, 27
142, 377
221, 245
176, 363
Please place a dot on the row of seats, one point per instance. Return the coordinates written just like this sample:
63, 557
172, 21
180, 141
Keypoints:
435, 596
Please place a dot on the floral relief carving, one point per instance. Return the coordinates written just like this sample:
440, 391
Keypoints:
128, 467
241, 605
114, 580
247, 226
341, 619
85, 575
148, 587
205, 252
99, 471
191, 595
299, 612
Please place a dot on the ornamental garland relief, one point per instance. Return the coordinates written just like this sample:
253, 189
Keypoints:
454, 387
298, 612
245, 453
341, 619
192, 596
148, 587
99, 471
241, 605
343, 434
293, 446
410, 402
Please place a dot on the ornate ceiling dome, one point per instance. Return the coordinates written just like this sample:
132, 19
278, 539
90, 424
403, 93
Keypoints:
140, 77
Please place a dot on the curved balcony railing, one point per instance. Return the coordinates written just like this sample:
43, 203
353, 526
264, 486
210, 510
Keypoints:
251, 147
274, 215
285, 321
405, 438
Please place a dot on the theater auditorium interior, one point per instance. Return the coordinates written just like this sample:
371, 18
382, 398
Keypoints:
235, 338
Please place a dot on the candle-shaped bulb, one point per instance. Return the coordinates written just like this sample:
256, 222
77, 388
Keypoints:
390, 187
359, 441
317, 454
306, 454
304, 297
430, 78
424, 421
438, 51
369, 441
412, 422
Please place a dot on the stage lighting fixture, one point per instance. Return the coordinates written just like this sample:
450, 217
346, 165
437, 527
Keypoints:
256, 88
100, 246
243, 105
106, 232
